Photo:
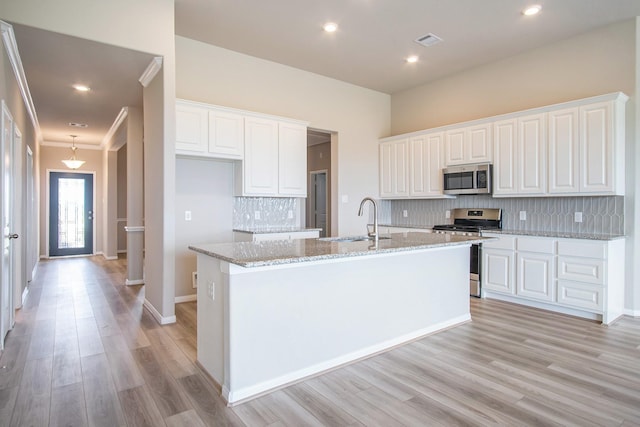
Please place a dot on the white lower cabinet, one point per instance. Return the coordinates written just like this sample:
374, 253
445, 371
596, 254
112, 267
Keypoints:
535, 276
575, 276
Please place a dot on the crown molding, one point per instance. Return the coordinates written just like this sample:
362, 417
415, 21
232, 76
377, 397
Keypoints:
152, 69
58, 144
122, 115
11, 47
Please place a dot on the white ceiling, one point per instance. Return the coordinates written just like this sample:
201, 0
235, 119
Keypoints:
369, 48
54, 62
375, 36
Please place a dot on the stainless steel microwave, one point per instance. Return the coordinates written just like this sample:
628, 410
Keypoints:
467, 179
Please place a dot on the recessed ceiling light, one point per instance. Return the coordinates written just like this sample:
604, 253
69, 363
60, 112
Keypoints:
411, 59
81, 88
532, 10
330, 27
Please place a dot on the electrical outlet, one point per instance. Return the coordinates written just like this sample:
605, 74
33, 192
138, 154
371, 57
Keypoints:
194, 279
405, 213
345, 198
187, 215
523, 215
256, 215
210, 289
578, 216
290, 214
447, 214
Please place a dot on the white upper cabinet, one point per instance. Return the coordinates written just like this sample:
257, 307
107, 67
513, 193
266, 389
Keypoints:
192, 128
597, 148
564, 151
394, 171
532, 151
292, 159
412, 166
426, 160
586, 149
226, 134
271, 151
275, 159
260, 166
519, 156
208, 131
472, 144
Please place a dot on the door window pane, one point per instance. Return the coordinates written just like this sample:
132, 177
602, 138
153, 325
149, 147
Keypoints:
71, 199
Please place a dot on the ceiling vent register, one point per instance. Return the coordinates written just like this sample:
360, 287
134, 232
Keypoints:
428, 40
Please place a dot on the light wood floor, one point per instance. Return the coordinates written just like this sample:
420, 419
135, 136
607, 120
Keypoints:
85, 352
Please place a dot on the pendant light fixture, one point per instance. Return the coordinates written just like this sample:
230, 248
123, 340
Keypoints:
73, 163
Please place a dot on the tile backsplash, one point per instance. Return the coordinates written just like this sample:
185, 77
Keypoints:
273, 212
600, 215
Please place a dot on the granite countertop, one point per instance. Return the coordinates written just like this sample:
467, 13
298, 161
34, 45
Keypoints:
560, 234
275, 230
277, 252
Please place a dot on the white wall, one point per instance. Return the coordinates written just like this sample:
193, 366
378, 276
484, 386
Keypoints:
594, 63
359, 116
205, 188
601, 61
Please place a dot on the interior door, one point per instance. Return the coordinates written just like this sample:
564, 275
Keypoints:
6, 291
318, 199
70, 213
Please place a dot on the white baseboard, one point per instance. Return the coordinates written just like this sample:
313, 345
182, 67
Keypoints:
110, 258
186, 298
632, 313
25, 293
134, 282
121, 251
156, 314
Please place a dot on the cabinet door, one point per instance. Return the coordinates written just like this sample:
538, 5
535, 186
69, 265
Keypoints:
504, 167
191, 128
564, 151
260, 157
226, 134
535, 276
292, 163
425, 165
478, 144
394, 174
454, 147
498, 270
532, 166
596, 148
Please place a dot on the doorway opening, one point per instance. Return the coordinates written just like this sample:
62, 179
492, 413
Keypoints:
318, 203
70, 213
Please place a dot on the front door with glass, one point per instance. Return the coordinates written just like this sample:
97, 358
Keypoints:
70, 214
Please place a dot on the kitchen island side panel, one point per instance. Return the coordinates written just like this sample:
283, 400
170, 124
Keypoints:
287, 322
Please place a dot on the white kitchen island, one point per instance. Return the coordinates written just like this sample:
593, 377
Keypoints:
270, 313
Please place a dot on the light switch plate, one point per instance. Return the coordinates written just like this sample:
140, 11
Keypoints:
405, 213
290, 214
345, 198
256, 215
447, 214
187, 215
578, 216
523, 215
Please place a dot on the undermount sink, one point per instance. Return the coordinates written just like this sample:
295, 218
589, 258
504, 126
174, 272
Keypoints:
351, 239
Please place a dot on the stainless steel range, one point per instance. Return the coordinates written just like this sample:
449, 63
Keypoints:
471, 222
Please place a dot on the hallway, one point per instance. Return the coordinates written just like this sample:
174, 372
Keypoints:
85, 352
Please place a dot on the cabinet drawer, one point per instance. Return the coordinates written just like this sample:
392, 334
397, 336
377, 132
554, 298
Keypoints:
582, 248
580, 295
503, 242
587, 270
540, 245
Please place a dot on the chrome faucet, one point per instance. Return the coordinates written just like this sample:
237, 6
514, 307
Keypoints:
374, 233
